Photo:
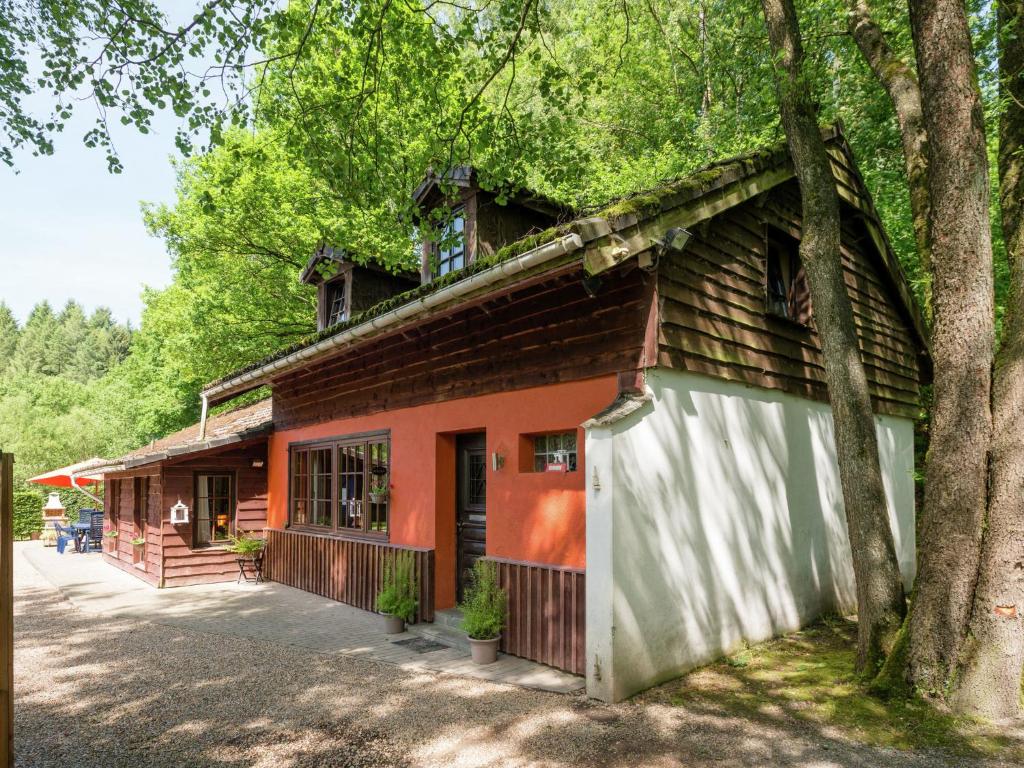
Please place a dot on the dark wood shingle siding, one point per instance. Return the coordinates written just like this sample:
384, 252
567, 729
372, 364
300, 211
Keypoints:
545, 332
713, 318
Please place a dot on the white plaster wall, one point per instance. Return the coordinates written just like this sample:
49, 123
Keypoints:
715, 517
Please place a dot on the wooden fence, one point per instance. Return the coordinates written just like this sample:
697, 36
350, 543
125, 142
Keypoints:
6, 610
347, 570
546, 614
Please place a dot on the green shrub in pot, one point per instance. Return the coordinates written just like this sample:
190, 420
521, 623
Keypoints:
485, 603
398, 593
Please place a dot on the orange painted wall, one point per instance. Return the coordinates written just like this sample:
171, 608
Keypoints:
538, 517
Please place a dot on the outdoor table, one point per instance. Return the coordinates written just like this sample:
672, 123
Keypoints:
81, 532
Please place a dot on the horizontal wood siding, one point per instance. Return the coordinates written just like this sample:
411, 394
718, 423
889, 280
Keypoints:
546, 614
184, 564
346, 570
544, 332
713, 318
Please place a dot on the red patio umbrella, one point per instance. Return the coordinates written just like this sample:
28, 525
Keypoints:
74, 476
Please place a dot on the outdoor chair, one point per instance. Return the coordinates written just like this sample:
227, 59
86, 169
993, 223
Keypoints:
94, 541
64, 535
85, 516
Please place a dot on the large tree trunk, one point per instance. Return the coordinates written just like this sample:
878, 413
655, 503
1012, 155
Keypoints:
880, 599
900, 83
989, 680
962, 341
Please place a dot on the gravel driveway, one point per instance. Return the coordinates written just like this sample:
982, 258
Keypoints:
125, 692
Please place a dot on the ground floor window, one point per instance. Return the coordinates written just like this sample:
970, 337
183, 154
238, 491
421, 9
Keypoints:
213, 514
555, 452
342, 484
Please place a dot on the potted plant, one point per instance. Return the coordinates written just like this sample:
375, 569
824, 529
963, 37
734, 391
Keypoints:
483, 612
138, 541
244, 544
378, 492
397, 597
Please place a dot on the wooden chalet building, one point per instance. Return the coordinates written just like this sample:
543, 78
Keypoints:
220, 476
626, 411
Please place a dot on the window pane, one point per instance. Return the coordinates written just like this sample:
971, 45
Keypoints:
554, 449
213, 514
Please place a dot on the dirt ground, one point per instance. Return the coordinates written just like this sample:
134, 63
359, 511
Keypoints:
123, 692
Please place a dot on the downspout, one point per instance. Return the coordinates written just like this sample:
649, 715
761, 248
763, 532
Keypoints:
202, 418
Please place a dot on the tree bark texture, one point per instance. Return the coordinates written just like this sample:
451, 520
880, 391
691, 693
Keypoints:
962, 342
880, 598
989, 680
900, 83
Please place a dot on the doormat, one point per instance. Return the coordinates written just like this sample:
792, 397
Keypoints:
420, 644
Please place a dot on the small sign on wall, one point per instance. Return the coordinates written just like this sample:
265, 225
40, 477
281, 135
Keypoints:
557, 467
179, 514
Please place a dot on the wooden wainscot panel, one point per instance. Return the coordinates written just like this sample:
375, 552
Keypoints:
346, 570
546, 613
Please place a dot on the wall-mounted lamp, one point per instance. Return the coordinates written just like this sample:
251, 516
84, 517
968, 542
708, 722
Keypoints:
497, 461
675, 239
257, 463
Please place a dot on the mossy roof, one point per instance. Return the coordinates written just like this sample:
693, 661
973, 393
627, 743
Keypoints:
620, 213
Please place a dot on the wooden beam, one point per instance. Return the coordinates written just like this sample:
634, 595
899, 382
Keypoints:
615, 248
6, 610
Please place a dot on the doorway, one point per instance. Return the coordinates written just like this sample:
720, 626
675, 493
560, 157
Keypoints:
471, 505
140, 500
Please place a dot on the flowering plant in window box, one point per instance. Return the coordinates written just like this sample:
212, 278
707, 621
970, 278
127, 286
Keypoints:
378, 492
138, 541
111, 534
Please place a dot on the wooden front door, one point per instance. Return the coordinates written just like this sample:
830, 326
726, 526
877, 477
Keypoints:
471, 510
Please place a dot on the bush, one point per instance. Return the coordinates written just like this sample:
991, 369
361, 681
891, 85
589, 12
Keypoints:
28, 513
486, 604
398, 597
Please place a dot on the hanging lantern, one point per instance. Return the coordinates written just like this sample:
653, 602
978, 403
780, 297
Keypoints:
179, 514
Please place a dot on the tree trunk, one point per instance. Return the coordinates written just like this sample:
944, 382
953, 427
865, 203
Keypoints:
989, 679
880, 599
962, 341
899, 81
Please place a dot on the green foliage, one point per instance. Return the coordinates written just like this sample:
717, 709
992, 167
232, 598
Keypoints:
398, 593
485, 606
244, 543
138, 541
28, 513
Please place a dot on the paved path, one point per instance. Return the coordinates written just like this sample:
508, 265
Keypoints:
101, 688
275, 613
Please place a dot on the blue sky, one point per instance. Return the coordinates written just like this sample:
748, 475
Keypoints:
73, 230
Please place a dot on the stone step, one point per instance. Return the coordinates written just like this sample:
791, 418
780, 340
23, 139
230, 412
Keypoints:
451, 617
441, 633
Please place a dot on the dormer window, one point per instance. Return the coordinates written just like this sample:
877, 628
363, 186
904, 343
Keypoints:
335, 302
450, 252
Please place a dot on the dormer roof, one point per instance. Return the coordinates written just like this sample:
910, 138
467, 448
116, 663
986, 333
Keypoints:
328, 258
465, 177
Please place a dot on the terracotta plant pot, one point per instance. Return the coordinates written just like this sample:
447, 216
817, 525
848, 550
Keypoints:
484, 651
34, 535
393, 625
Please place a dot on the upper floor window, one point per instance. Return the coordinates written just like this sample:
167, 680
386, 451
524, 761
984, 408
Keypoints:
787, 294
342, 484
450, 251
334, 298
555, 453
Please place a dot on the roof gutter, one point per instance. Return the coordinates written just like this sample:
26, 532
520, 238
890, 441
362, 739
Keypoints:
505, 269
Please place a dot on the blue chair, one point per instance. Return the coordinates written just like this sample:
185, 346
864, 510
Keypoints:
85, 516
64, 535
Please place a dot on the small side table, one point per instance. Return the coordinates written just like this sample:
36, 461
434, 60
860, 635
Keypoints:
256, 561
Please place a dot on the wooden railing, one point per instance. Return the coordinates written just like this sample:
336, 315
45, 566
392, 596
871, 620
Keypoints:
6, 610
347, 570
547, 615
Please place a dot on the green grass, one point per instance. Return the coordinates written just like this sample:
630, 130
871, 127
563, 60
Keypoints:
808, 680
